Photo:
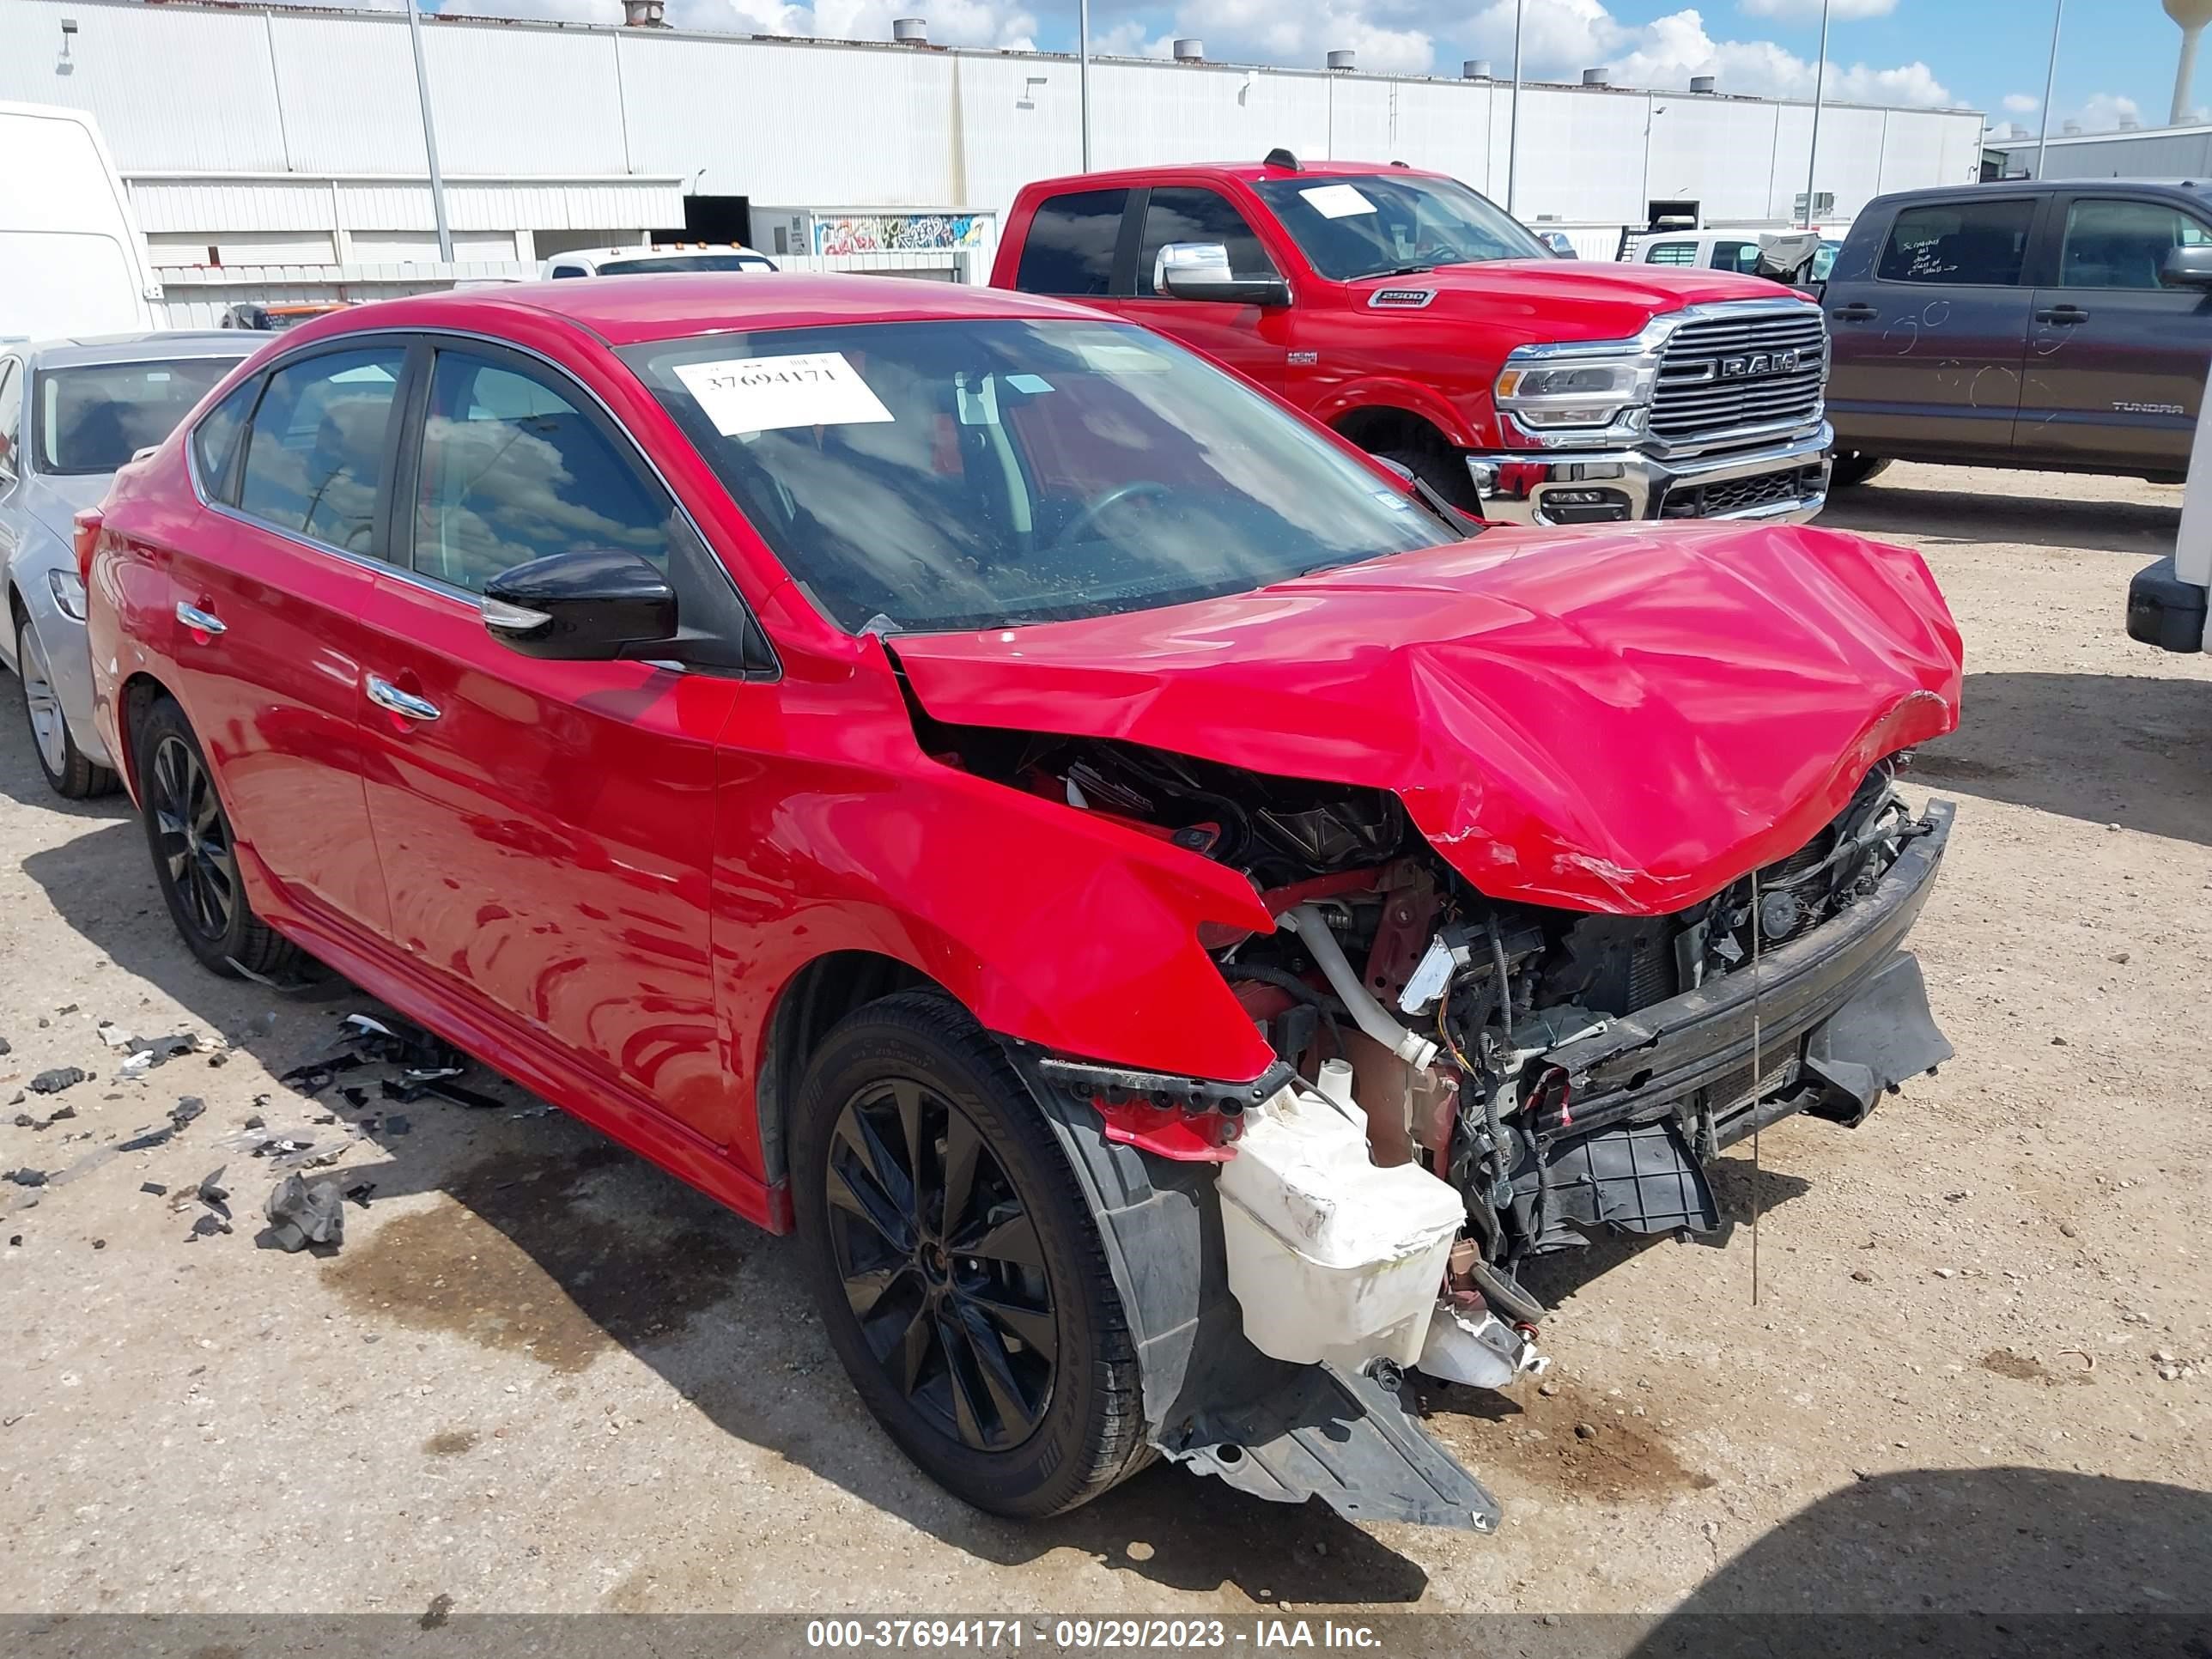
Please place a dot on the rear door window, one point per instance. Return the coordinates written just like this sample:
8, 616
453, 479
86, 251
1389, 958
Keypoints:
1070, 242
315, 457
2122, 244
513, 470
1958, 244
1735, 256
215, 440
1179, 213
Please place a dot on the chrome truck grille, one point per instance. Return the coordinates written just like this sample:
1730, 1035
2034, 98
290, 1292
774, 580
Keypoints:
1744, 376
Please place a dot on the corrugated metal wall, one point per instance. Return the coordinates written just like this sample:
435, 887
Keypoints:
181, 89
2183, 153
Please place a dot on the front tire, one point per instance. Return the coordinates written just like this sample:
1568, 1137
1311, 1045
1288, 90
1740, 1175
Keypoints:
1441, 467
957, 1266
195, 853
69, 773
1853, 467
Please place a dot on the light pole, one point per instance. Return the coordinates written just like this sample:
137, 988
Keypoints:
1082, 73
2050, 79
1819, 86
429, 133
1513, 121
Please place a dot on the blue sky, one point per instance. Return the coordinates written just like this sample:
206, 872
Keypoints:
2117, 57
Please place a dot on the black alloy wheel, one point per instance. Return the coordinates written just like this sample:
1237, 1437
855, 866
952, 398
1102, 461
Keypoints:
191, 838
956, 1262
196, 851
941, 1264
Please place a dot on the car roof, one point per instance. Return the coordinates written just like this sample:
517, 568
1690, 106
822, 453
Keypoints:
85, 350
631, 310
2199, 189
1251, 173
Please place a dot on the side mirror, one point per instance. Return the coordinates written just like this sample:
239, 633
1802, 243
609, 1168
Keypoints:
1199, 270
1561, 244
2187, 267
591, 606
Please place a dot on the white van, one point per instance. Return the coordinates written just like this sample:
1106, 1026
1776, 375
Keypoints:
641, 260
71, 260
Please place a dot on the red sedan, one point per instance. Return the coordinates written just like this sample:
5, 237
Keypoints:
1175, 924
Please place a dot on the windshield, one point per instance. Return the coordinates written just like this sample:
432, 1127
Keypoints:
95, 418
959, 475
665, 262
1375, 224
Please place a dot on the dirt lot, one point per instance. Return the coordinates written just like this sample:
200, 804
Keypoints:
542, 1376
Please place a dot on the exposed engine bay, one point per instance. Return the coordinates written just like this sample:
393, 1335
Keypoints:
1561, 1071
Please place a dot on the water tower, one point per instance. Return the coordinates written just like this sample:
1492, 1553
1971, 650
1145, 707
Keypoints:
2192, 15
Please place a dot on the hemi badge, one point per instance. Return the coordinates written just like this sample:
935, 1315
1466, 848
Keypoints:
1301, 359
1400, 299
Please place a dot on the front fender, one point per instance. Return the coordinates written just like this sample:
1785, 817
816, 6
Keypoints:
1391, 392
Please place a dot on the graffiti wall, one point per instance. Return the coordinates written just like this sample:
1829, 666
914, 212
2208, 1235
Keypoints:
877, 232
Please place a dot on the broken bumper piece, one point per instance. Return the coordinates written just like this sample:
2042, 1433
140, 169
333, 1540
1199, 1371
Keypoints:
1324, 1432
1212, 1401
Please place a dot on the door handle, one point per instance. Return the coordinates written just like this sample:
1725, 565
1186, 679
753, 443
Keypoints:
1857, 312
192, 616
385, 695
2062, 314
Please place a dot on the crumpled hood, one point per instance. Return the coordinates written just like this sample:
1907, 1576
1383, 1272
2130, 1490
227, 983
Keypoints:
1571, 299
1621, 721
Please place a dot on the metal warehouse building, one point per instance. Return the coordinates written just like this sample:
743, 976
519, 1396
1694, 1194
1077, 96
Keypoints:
255, 137
2184, 152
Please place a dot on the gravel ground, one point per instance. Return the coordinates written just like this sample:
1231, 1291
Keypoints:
541, 1376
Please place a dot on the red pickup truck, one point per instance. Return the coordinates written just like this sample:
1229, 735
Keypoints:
1426, 325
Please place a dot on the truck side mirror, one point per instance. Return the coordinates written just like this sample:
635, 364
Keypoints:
1199, 270
2187, 267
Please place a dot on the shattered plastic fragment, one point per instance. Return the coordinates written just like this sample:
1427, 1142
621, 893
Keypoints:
155, 1187
187, 1108
60, 1078
146, 1142
26, 1177
301, 1215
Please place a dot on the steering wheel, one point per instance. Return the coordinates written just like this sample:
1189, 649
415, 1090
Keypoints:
1098, 506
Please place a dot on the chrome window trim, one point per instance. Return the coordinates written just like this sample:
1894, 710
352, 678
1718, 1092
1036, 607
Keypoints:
431, 584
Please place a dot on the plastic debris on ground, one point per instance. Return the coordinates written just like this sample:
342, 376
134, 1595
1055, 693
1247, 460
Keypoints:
301, 1215
26, 1177
60, 1078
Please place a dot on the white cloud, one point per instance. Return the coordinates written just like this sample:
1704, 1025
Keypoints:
1561, 37
2104, 111
2019, 103
1808, 11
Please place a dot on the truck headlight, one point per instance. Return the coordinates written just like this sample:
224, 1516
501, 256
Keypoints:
1547, 391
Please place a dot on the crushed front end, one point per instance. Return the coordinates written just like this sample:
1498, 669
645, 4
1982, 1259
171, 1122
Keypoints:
1558, 1072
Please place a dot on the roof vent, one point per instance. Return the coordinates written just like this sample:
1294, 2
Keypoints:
2130, 123
910, 31
644, 14
1342, 60
1190, 52
1476, 68
1704, 83
1596, 77
1283, 159
2072, 129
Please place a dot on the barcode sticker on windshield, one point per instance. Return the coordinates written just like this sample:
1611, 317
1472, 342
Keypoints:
764, 394
1336, 201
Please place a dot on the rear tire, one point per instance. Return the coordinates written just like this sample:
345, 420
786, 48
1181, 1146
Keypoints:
1853, 468
957, 1266
69, 773
195, 853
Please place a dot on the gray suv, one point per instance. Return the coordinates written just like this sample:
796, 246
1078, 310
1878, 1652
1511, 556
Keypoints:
2064, 325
